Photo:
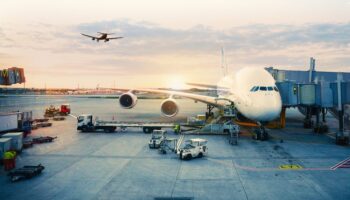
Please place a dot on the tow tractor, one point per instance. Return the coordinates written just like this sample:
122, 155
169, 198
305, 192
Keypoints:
194, 148
65, 109
157, 138
52, 111
87, 123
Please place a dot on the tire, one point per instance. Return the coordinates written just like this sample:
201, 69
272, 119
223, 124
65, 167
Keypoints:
265, 135
200, 155
84, 129
147, 130
111, 130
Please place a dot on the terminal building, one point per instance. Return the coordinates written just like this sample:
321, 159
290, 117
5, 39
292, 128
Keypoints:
314, 94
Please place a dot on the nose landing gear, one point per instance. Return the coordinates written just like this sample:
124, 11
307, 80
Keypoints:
261, 134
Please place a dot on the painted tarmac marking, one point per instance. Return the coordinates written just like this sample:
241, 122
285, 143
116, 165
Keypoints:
265, 169
342, 164
290, 167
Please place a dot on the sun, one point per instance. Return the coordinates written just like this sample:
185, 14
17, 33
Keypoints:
176, 82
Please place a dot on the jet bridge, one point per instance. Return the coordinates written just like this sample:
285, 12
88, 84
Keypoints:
314, 93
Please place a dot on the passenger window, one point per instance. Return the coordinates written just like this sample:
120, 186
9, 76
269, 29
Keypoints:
275, 88
270, 88
263, 88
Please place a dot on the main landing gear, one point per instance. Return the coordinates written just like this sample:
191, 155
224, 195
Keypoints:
260, 134
209, 112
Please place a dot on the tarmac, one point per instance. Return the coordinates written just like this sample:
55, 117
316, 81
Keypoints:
121, 166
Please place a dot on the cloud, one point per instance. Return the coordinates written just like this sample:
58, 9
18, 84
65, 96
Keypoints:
152, 49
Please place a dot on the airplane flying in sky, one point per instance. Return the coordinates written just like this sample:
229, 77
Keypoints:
252, 91
102, 36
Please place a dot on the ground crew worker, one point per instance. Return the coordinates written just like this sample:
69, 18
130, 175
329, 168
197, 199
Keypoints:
9, 160
177, 128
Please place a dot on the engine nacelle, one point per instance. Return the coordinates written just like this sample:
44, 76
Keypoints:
169, 107
106, 40
127, 100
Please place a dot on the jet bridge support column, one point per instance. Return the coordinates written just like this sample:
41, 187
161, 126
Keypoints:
308, 121
320, 127
209, 112
340, 138
323, 115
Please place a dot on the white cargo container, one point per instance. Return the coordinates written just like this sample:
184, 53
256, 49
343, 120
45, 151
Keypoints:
16, 140
8, 121
5, 144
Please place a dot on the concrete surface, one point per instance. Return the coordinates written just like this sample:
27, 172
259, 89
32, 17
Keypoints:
121, 166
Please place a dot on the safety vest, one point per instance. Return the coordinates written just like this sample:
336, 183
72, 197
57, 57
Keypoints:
5, 73
9, 155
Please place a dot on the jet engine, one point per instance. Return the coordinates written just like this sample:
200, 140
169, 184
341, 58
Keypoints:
128, 100
93, 38
106, 40
169, 107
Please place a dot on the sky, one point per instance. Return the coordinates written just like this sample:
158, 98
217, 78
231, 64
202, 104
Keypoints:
168, 42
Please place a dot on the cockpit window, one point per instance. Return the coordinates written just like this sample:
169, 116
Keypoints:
263, 88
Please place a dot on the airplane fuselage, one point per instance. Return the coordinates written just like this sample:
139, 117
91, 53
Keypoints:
254, 92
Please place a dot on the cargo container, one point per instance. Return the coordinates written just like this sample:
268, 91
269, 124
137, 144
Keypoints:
5, 145
9, 122
16, 140
16, 121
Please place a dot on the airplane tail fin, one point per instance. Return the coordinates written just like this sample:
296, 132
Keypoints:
223, 62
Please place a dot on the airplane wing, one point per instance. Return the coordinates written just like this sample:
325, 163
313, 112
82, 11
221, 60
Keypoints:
214, 101
89, 36
213, 87
112, 38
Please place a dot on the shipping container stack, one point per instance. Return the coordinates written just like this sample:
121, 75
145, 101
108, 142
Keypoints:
12, 76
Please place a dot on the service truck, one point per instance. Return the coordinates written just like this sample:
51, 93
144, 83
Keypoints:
87, 123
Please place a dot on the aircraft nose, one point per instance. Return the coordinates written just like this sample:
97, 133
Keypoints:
271, 108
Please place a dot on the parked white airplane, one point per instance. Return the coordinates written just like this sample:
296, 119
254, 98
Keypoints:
251, 90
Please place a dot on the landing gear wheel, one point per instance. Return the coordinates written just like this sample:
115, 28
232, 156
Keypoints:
257, 134
265, 135
261, 134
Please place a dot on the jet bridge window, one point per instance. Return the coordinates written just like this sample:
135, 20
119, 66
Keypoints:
263, 88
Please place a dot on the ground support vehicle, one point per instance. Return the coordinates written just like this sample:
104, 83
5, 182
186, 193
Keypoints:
168, 144
194, 148
158, 136
45, 139
87, 123
25, 172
